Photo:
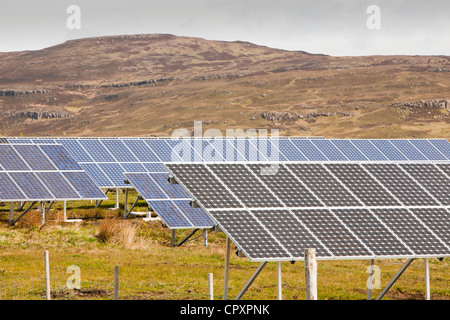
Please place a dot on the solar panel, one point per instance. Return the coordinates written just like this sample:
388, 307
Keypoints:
119, 150
349, 150
388, 149
170, 214
9, 191
344, 210
58, 185
309, 150
290, 151
97, 174
442, 145
60, 158
329, 150
31, 186
96, 150
427, 148
10, 159
83, 184
408, 149
141, 150
369, 150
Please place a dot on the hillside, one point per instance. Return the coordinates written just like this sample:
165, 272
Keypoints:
142, 85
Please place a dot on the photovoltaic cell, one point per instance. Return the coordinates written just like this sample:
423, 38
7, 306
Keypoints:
34, 157
31, 186
170, 214
332, 233
437, 220
119, 151
369, 150
309, 150
197, 216
294, 237
10, 160
173, 191
244, 229
416, 236
362, 185
285, 186
8, 189
76, 150
427, 148
442, 145
290, 151
146, 186
432, 179
329, 150
57, 185
141, 150
323, 184
154, 167
408, 150
379, 239
60, 157
97, 175
245, 186
208, 190
389, 150
133, 167
85, 187
349, 150
96, 150
114, 172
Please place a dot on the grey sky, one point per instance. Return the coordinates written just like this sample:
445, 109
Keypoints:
334, 27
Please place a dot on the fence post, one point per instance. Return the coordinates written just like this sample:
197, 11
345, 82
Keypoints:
47, 275
116, 283
210, 286
310, 274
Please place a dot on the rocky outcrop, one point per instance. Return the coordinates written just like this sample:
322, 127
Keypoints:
276, 116
36, 115
423, 104
21, 92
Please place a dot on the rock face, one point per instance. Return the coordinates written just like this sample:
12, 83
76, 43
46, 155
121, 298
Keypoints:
423, 104
291, 116
20, 92
36, 115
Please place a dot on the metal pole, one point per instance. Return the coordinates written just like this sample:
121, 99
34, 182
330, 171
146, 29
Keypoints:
116, 282
210, 286
125, 205
47, 275
427, 279
310, 274
249, 283
279, 284
172, 241
117, 199
227, 268
391, 283
11, 214
65, 210
370, 280
43, 211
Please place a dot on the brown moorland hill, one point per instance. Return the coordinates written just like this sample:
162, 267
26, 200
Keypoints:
140, 85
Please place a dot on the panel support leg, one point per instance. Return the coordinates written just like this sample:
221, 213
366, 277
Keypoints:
391, 283
427, 279
172, 241
125, 204
13, 221
249, 283
370, 280
11, 213
65, 210
132, 206
227, 268
279, 283
117, 199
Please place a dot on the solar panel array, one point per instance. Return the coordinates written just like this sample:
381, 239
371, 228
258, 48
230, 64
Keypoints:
31, 172
346, 210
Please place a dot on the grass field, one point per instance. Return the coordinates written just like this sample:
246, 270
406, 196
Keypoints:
151, 269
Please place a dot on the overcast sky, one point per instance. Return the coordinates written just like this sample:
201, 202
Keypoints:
333, 27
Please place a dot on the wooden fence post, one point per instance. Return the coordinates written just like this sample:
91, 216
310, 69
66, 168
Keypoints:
310, 274
116, 283
47, 275
210, 287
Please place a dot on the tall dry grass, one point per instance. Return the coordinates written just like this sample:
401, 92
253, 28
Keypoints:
117, 231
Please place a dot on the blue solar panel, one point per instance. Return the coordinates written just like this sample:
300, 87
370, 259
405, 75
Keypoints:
231, 153
162, 149
141, 150
43, 141
97, 175
268, 150
329, 150
388, 149
31, 186
34, 157
60, 157
15, 140
57, 185
442, 145
408, 150
308, 149
145, 185
155, 167
170, 214
171, 190
247, 150
119, 151
10, 159
84, 185
133, 167
96, 150
183, 150
369, 150
290, 151
349, 150
76, 150
114, 172
206, 149
197, 216
8, 190
427, 148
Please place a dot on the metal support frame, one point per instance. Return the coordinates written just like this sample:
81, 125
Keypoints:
126, 211
427, 279
13, 221
249, 283
227, 268
370, 280
45, 211
391, 283
188, 238
117, 198
125, 203
279, 282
